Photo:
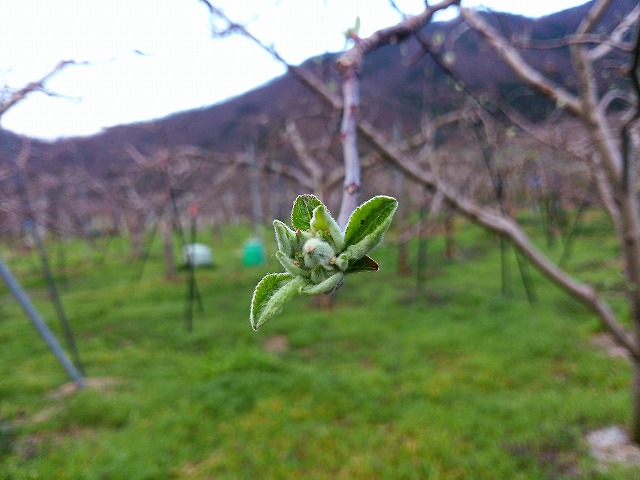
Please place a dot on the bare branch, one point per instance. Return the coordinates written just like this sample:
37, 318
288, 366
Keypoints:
614, 40
513, 58
349, 65
310, 164
594, 118
295, 174
501, 224
25, 152
138, 157
20, 94
348, 135
606, 194
352, 59
604, 44
306, 78
397, 9
635, 85
595, 13
613, 95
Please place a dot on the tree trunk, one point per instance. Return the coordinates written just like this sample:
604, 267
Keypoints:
256, 195
167, 236
134, 227
634, 427
449, 236
323, 302
403, 258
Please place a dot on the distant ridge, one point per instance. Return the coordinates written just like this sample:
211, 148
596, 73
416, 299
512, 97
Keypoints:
399, 85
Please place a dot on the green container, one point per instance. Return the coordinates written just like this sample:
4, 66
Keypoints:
253, 253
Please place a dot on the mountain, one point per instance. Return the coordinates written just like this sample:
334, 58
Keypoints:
400, 83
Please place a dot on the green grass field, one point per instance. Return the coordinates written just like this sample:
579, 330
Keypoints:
451, 382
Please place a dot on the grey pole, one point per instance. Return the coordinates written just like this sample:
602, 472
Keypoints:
256, 197
40, 325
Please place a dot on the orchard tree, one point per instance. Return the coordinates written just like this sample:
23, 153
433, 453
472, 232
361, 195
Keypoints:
8, 99
610, 151
12, 163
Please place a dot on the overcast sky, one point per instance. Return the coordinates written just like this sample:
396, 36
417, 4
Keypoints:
150, 58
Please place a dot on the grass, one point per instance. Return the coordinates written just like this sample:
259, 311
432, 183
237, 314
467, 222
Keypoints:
452, 382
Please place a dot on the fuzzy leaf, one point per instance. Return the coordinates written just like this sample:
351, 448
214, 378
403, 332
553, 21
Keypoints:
286, 238
290, 265
342, 262
319, 274
326, 286
322, 221
364, 264
302, 211
367, 225
270, 295
369, 218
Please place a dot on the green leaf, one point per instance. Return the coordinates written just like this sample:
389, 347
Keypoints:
286, 238
326, 286
367, 225
342, 262
322, 221
270, 295
364, 264
302, 211
318, 274
291, 266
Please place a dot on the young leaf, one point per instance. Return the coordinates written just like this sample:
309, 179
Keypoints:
303, 211
270, 295
318, 274
290, 265
286, 238
325, 286
364, 264
367, 225
322, 221
342, 262
317, 252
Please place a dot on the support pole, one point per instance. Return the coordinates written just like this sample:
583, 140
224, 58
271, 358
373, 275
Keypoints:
40, 325
256, 196
44, 261
192, 287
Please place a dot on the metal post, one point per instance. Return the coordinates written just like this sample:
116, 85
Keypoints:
40, 325
256, 196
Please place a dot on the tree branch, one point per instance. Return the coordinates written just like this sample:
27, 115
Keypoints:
635, 86
595, 13
20, 94
349, 65
352, 59
614, 40
604, 44
513, 58
494, 221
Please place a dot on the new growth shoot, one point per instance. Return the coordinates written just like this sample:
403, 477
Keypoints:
317, 255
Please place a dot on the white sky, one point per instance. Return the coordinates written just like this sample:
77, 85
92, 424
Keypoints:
182, 67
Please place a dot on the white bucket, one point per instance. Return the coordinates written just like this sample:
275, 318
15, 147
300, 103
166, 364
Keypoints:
198, 253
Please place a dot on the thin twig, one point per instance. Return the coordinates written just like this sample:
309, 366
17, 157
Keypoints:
38, 85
